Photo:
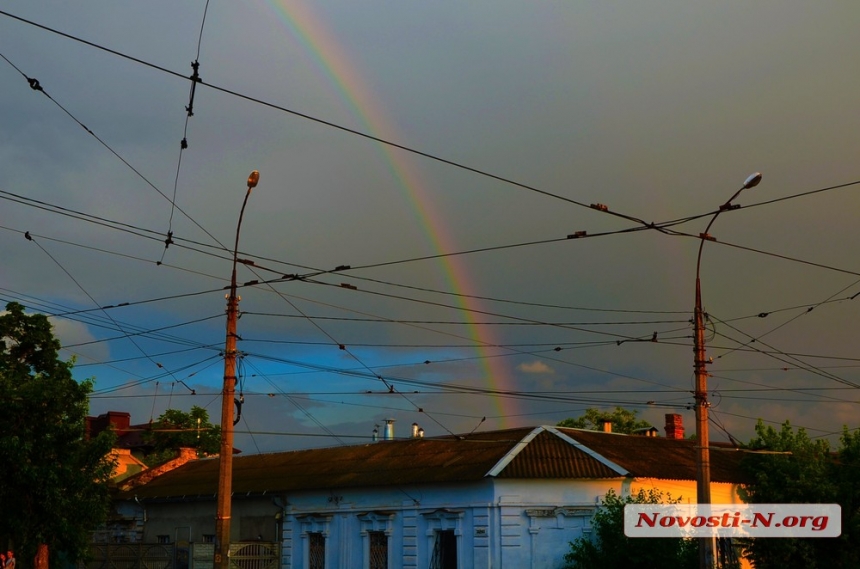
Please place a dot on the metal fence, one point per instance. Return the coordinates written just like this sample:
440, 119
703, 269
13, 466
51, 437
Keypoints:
131, 556
251, 555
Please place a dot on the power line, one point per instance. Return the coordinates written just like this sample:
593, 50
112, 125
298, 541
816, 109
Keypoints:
779, 355
34, 84
110, 223
767, 253
183, 145
194, 79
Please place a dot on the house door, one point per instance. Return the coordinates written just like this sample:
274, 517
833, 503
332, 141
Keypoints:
183, 538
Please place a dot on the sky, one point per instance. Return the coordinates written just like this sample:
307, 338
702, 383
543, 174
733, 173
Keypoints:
424, 167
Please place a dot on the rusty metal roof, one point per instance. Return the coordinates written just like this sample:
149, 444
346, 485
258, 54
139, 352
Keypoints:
528, 452
658, 457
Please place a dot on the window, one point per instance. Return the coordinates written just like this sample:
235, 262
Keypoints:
163, 538
316, 550
444, 530
315, 532
444, 550
378, 550
208, 538
376, 528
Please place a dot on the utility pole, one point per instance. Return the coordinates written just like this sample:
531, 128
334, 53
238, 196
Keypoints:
225, 467
703, 453
707, 557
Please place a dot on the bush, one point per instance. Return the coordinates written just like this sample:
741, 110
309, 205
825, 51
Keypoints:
610, 548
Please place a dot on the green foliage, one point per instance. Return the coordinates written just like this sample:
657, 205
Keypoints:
54, 485
623, 420
848, 496
611, 549
808, 472
175, 429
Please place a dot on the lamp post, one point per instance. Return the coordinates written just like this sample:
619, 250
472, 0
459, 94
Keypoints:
225, 468
703, 456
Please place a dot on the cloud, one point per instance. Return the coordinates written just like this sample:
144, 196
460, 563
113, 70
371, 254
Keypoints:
535, 367
69, 332
427, 321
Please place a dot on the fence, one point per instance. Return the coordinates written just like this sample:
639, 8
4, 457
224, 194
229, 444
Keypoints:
250, 555
131, 556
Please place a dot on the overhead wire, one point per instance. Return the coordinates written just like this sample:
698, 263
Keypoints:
126, 334
489, 344
535, 323
295, 403
36, 86
780, 355
183, 145
349, 352
809, 309
594, 206
769, 421
465, 323
768, 253
526, 187
452, 163
598, 207
109, 223
467, 309
209, 360
129, 337
50, 309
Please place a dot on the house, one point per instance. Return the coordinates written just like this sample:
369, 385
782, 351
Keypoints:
130, 447
123, 524
505, 498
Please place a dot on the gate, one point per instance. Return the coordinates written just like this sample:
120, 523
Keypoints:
255, 555
243, 555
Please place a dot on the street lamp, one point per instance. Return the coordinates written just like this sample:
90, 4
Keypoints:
225, 468
703, 456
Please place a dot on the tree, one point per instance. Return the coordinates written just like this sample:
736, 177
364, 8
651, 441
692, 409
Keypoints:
848, 496
623, 420
796, 470
175, 429
54, 483
610, 548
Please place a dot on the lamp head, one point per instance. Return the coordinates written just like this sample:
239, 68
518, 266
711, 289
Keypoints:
752, 181
255, 177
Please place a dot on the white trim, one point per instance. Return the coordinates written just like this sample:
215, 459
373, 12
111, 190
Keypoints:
593, 454
512, 454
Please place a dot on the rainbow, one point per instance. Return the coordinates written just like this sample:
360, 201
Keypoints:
333, 63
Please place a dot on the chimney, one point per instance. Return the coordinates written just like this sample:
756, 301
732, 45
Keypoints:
120, 421
416, 430
389, 430
606, 425
674, 426
646, 432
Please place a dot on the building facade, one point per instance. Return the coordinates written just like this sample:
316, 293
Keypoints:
511, 498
